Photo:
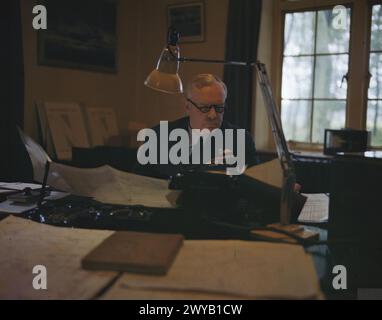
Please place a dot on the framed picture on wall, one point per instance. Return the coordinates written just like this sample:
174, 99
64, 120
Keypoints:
188, 20
80, 35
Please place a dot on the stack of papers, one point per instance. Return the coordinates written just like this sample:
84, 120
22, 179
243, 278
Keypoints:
18, 186
11, 207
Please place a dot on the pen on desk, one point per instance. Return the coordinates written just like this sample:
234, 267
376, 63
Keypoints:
44, 182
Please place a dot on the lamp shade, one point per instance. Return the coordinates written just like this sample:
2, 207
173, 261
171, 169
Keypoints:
164, 82
165, 77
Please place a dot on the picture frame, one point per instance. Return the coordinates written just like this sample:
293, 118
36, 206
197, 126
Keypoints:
67, 127
188, 19
80, 38
102, 125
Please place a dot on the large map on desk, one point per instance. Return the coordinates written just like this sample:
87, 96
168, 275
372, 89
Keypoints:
109, 185
105, 183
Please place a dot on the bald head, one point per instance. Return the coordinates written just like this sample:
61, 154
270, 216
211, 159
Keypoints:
202, 81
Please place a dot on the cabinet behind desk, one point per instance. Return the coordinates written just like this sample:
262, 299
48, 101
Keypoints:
355, 217
356, 199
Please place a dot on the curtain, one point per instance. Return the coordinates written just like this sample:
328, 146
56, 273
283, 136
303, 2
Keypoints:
14, 161
243, 28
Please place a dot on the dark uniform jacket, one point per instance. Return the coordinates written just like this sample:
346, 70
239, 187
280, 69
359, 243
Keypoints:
168, 170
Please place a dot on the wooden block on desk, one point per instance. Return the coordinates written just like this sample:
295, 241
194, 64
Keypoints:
135, 252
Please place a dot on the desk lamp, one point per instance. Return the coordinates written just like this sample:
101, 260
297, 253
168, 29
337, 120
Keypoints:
165, 78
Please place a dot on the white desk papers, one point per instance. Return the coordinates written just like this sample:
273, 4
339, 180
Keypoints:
316, 208
9, 206
19, 186
105, 183
25, 244
109, 185
269, 172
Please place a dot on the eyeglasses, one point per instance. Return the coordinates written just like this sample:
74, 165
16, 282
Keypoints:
219, 108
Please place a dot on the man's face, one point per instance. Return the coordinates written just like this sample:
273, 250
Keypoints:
211, 95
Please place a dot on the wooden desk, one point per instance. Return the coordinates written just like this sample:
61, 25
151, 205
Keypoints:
212, 269
362, 263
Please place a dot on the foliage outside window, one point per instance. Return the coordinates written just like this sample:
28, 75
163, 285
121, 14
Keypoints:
315, 63
374, 109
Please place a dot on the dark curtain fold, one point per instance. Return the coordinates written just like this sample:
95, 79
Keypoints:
243, 28
14, 161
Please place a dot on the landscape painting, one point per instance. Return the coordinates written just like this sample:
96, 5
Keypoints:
80, 34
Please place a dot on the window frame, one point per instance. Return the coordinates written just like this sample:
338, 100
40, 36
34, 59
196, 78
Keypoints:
315, 56
359, 52
371, 4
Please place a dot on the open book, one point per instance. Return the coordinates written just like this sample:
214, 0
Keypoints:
257, 192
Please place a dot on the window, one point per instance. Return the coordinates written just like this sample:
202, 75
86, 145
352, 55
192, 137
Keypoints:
321, 78
315, 64
374, 108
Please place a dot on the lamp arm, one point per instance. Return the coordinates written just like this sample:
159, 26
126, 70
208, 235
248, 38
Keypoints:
226, 62
289, 176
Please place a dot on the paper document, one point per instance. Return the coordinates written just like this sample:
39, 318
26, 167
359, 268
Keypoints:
19, 185
110, 185
37, 155
5, 191
25, 244
241, 269
105, 183
9, 206
269, 172
316, 208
